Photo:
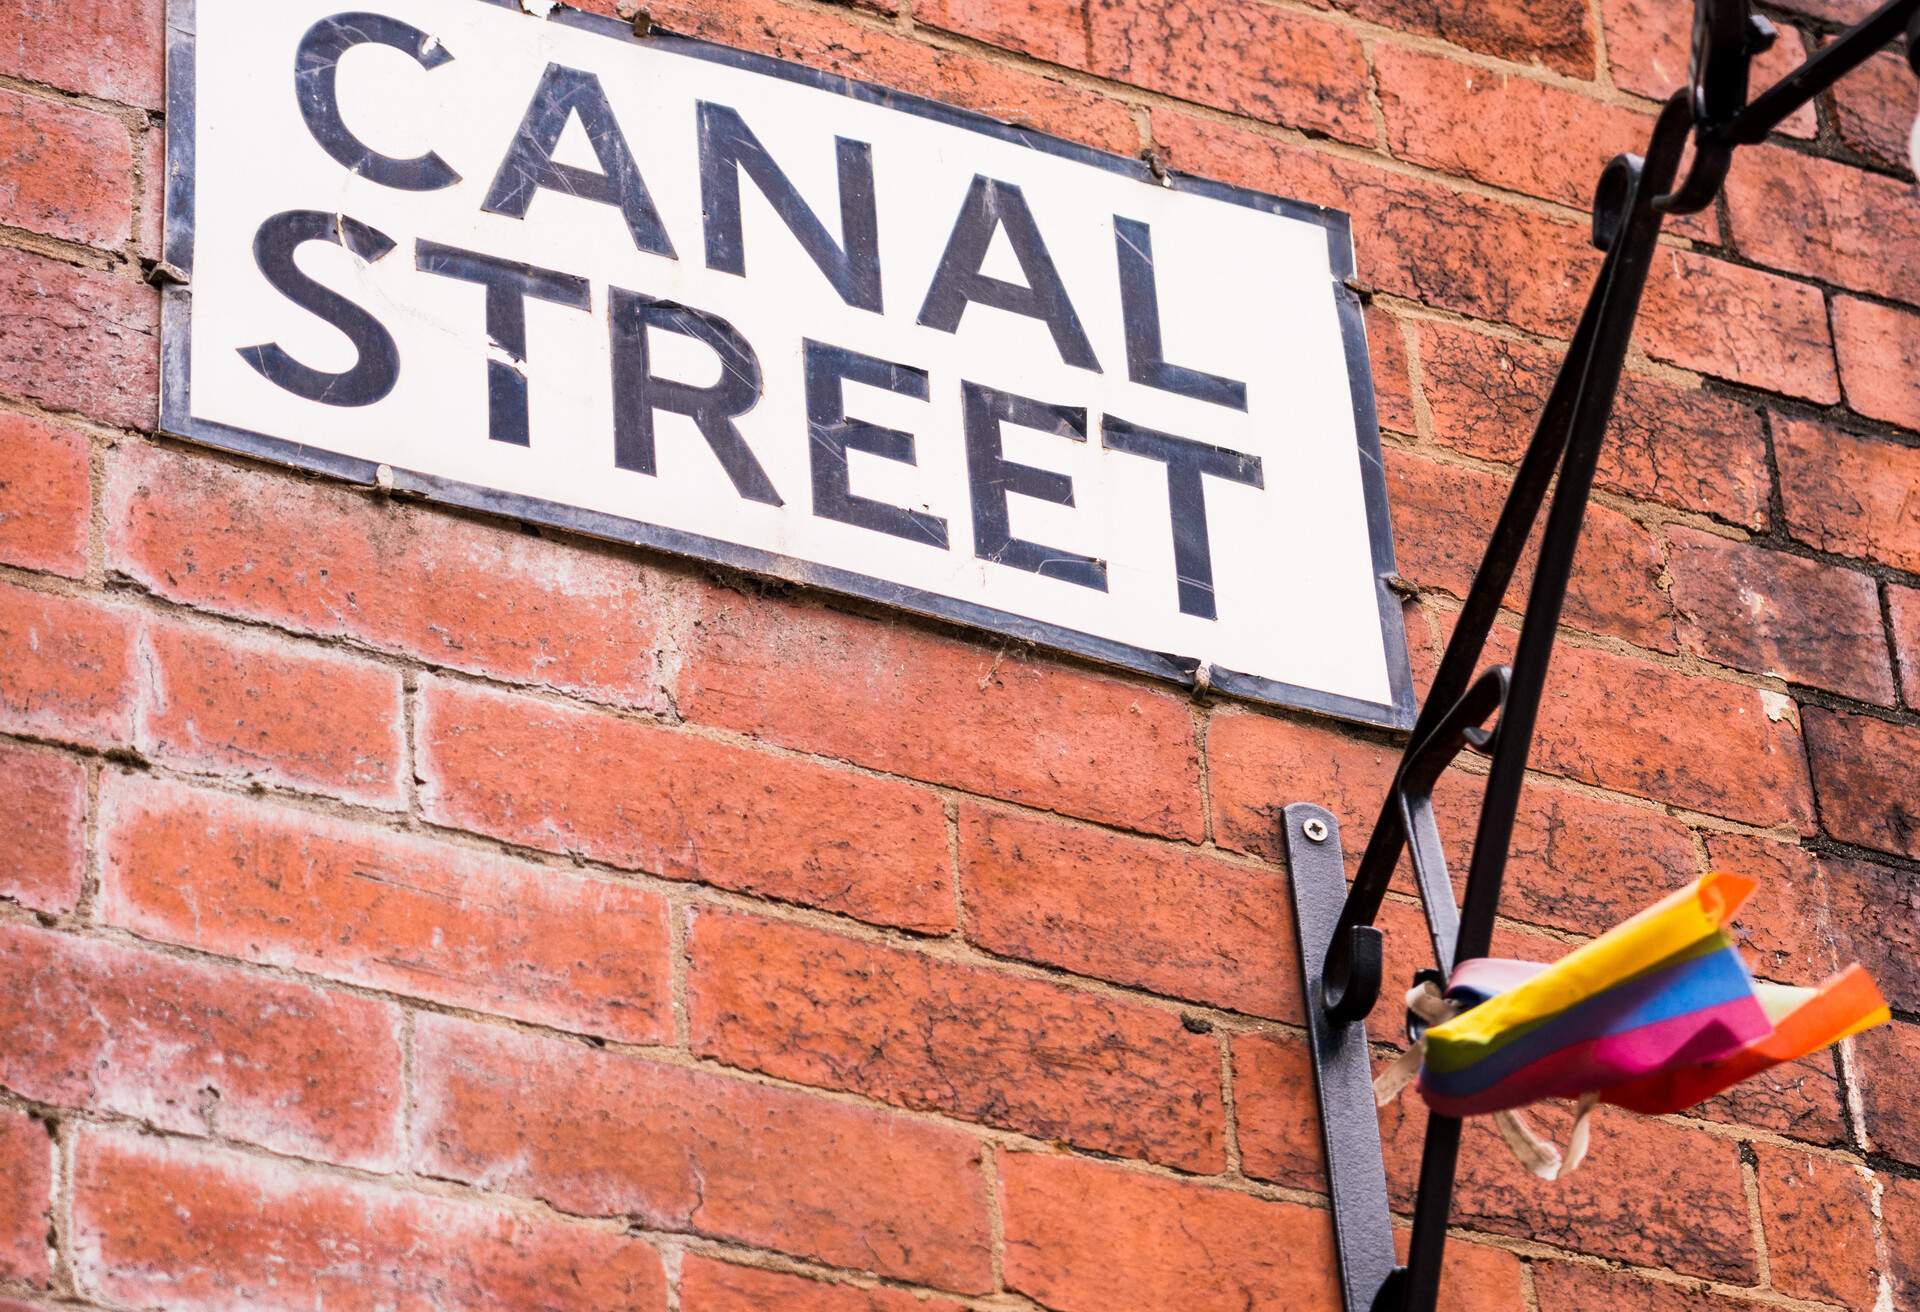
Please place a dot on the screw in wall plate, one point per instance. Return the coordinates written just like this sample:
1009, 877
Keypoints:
1315, 830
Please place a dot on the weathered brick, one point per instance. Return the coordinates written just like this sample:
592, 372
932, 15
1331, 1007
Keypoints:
1566, 1287
1737, 323
1687, 447
42, 829
351, 902
1825, 220
1473, 1277
150, 146
199, 1049
1650, 48
1900, 1210
1853, 495
1053, 30
1802, 1100
1243, 56
196, 1229
271, 711
647, 798
26, 1198
1876, 921
1082, 1236
1818, 1219
1879, 351
1903, 604
601, 1134
1555, 33
831, 42
1652, 1193
1861, 770
1444, 514
1772, 613
66, 668
79, 340
1257, 766
1889, 1062
1502, 128
113, 49
1783, 927
1277, 1111
1020, 1054
325, 560
1163, 918
1833, 11
890, 696
710, 1286
45, 495
1873, 108
1392, 371
64, 171
1658, 733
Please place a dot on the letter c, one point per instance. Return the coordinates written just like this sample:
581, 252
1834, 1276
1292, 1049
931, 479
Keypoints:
316, 75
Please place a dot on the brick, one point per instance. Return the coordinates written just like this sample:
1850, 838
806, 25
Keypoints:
1833, 11
1903, 605
1783, 928
600, 1134
26, 1198
1501, 128
1650, 48
1686, 447
1801, 1100
1872, 109
1818, 1218
683, 807
1277, 1111
1473, 1277
324, 560
1852, 495
1745, 325
1082, 1236
1576, 863
1900, 1209
1243, 56
66, 668
1257, 766
79, 340
1889, 1063
1555, 33
1634, 727
106, 48
1019, 1054
1879, 351
1565, 1287
828, 41
1771, 613
365, 906
1392, 371
42, 829
1652, 1192
890, 696
197, 1229
150, 147
710, 1286
270, 711
46, 495
1876, 921
1053, 30
1825, 220
200, 1049
1867, 795
1444, 514
1143, 914
65, 171
1449, 249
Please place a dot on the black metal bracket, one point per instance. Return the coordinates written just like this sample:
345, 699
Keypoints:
1341, 950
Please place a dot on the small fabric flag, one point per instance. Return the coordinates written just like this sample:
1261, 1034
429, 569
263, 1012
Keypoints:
1656, 1015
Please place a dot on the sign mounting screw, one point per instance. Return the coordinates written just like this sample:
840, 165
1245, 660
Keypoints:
1315, 830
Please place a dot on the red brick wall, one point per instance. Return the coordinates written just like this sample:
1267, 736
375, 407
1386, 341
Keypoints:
403, 909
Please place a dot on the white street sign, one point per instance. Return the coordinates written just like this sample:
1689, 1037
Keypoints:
677, 295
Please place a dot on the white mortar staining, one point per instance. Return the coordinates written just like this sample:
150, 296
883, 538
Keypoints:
538, 8
1779, 707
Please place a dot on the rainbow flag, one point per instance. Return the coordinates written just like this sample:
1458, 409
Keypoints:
1655, 1015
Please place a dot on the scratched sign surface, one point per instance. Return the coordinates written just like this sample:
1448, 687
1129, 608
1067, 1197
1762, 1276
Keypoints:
677, 295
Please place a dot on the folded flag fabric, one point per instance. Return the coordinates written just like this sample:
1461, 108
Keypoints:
1656, 1015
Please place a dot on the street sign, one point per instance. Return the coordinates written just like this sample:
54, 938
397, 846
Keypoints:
682, 296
